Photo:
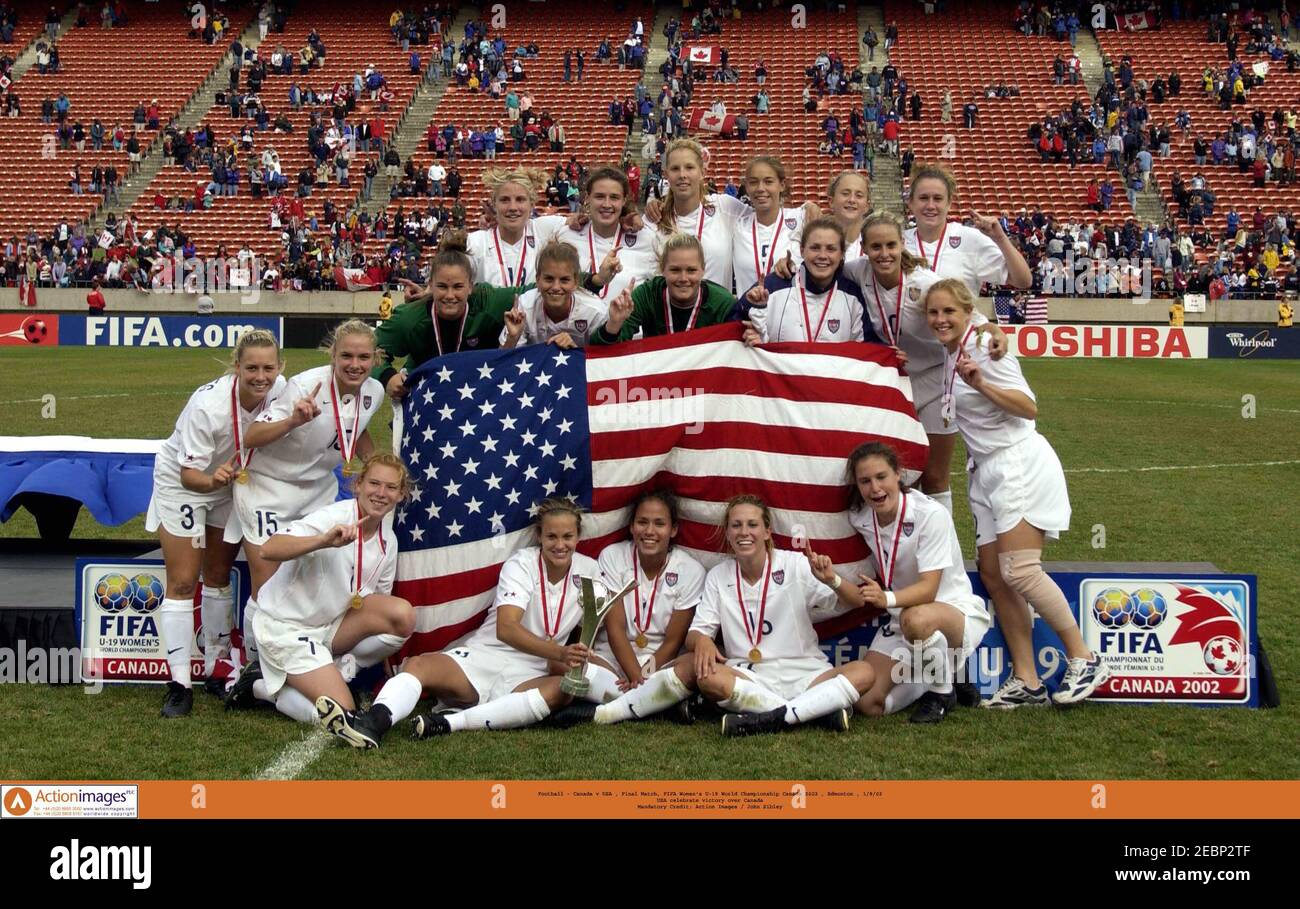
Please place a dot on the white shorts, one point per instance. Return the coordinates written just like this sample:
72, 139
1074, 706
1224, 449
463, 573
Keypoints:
495, 672
927, 398
283, 651
644, 657
786, 678
889, 638
265, 506
1023, 482
184, 514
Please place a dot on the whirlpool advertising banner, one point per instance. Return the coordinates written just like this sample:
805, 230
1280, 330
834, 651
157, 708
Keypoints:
1250, 342
1167, 638
117, 621
162, 331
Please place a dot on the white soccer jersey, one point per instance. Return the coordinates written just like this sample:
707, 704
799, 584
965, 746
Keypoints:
306, 456
503, 264
795, 313
679, 586
204, 436
521, 584
983, 425
714, 230
586, 315
786, 630
961, 252
926, 540
636, 255
314, 590
853, 250
753, 263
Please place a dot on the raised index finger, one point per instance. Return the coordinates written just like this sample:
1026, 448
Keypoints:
315, 391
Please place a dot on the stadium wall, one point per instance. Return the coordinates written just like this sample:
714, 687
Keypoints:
337, 304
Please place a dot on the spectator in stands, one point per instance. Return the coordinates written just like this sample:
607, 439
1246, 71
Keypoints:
945, 107
969, 112
915, 104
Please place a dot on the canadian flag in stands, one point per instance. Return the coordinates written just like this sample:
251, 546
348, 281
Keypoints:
703, 118
358, 278
1135, 21
702, 53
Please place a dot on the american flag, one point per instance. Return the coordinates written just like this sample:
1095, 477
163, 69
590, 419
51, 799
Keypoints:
1030, 310
488, 434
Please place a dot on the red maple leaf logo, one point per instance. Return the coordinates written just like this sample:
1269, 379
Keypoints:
1208, 619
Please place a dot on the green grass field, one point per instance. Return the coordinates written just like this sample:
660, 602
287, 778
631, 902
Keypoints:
1231, 498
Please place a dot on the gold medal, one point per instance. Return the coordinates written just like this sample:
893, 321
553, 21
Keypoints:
755, 655
347, 469
242, 476
945, 422
355, 601
642, 640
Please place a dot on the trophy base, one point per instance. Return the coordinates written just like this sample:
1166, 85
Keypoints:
577, 687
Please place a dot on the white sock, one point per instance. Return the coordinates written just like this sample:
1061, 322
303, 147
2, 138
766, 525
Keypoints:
376, 648
936, 663
176, 625
215, 610
519, 708
833, 694
294, 704
604, 684
903, 696
657, 693
259, 691
250, 639
400, 694
943, 498
750, 697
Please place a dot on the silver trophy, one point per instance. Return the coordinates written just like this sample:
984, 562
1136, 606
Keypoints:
594, 610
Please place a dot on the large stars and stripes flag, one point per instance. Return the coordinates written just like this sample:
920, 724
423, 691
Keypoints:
488, 434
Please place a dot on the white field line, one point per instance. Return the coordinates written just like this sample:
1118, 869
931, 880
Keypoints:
139, 394
296, 757
1179, 404
1164, 467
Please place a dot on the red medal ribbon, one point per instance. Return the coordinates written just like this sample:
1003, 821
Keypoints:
771, 253
591, 246
361, 546
437, 332
887, 574
636, 591
695, 313
762, 606
345, 451
898, 308
546, 620
240, 459
523, 256
934, 266
807, 322
951, 378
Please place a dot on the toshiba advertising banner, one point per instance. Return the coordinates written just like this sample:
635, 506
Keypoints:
1145, 342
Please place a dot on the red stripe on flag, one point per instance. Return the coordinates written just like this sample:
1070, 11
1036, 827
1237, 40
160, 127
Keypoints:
441, 638
445, 589
732, 380
787, 496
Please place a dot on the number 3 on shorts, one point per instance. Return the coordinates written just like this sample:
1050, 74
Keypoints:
266, 523
187, 517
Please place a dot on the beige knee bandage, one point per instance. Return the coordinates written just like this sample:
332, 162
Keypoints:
1023, 571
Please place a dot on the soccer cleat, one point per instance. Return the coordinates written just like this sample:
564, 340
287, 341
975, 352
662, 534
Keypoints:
215, 687
683, 712
968, 695
1014, 693
836, 721
240, 695
1082, 677
736, 724
932, 707
362, 729
179, 701
572, 714
427, 725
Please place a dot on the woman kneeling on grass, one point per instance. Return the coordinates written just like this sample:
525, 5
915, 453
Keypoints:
774, 673
505, 673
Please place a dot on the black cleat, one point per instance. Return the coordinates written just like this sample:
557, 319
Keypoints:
215, 687
683, 713
933, 707
734, 724
179, 701
427, 725
360, 729
968, 695
240, 696
574, 713
836, 721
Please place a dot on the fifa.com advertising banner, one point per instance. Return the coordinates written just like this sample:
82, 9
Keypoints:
1184, 639
1140, 342
117, 620
48, 330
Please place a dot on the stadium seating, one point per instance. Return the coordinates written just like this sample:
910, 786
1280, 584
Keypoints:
104, 73
354, 37
1182, 46
964, 50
